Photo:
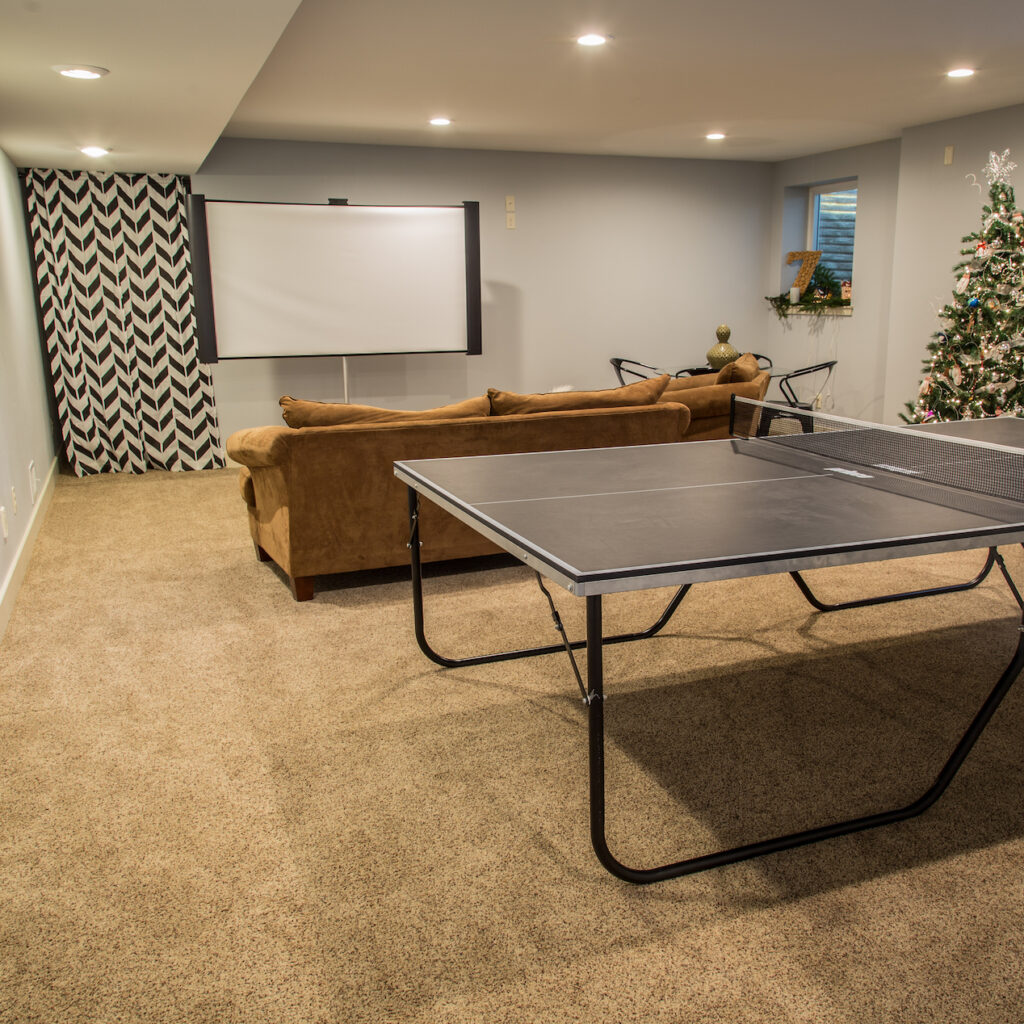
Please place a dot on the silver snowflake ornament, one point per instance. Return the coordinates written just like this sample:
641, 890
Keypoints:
998, 168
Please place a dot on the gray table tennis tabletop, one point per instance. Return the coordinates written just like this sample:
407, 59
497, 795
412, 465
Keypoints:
613, 519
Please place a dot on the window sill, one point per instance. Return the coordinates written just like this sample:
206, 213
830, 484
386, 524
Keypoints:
833, 311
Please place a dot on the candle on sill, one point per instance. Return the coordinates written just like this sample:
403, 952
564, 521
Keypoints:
794, 295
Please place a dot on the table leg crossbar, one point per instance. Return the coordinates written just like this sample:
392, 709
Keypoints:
885, 599
594, 698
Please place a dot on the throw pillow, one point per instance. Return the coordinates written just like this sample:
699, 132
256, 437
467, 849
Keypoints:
642, 392
739, 371
300, 413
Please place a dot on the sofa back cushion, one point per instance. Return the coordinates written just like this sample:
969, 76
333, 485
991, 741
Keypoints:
698, 380
300, 413
739, 371
642, 392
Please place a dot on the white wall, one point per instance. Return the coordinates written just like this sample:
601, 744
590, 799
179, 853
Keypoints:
937, 207
25, 434
611, 256
859, 340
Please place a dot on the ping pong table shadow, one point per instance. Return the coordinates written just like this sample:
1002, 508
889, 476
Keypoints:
803, 740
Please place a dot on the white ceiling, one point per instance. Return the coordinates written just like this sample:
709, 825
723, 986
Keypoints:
780, 82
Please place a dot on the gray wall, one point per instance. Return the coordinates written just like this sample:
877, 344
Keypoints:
937, 207
25, 434
611, 256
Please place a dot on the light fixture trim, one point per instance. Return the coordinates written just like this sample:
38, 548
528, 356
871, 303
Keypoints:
592, 39
81, 71
94, 151
960, 73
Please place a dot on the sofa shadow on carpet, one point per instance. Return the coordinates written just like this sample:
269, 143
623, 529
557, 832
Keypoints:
354, 581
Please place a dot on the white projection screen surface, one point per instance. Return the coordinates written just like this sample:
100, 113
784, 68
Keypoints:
306, 280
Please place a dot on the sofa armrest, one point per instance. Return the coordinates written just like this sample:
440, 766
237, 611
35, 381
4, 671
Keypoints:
259, 446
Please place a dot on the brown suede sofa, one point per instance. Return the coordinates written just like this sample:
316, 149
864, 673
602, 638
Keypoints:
321, 493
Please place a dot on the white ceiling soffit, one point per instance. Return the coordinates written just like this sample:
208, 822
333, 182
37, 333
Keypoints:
778, 82
177, 71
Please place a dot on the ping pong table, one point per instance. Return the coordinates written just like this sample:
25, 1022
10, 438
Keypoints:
603, 521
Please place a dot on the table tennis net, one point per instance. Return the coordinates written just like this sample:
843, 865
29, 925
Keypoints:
914, 456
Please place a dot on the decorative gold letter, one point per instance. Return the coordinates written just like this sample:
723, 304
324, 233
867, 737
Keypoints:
808, 260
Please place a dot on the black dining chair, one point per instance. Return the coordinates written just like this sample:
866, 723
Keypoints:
637, 369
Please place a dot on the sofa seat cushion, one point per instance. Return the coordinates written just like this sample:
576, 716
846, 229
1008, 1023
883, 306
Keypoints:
642, 392
300, 413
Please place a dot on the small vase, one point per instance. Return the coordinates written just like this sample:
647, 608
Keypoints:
722, 352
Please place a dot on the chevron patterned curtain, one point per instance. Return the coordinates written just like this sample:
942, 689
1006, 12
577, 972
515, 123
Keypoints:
115, 291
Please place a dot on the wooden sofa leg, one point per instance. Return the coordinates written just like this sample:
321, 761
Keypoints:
260, 553
302, 587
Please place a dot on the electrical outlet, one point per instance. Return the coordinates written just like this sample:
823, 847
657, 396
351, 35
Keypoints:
33, 481
510, 204
510, 221
947, 158
817, 401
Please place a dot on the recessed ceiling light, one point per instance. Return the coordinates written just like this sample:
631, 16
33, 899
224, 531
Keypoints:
715, 135
960, 73
80, 70
94, 150
440, 122
592, 39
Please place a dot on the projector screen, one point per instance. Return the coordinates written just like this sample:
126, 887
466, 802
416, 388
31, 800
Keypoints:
276, 279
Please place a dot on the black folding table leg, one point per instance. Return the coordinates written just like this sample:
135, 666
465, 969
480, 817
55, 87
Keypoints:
528, 652
595, 682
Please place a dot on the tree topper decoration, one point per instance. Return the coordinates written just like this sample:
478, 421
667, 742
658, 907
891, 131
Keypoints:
998, 168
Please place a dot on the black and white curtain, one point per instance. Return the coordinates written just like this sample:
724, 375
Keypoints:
115, 290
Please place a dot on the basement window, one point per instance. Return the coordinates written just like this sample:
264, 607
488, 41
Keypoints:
831, 225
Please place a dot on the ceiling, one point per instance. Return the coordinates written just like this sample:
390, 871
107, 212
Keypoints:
779, 82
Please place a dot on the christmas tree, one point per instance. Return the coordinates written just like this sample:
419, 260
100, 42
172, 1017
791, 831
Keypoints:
977, 357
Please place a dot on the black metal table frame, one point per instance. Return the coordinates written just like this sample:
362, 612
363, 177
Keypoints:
593, 697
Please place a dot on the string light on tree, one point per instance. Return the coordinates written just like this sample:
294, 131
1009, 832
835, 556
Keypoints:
976, 366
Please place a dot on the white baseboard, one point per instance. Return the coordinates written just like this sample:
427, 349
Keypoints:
10, 586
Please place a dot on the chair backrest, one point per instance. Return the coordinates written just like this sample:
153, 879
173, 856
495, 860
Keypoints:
634, 369
786, 387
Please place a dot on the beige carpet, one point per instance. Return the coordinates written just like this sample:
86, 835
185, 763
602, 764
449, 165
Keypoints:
217, 804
